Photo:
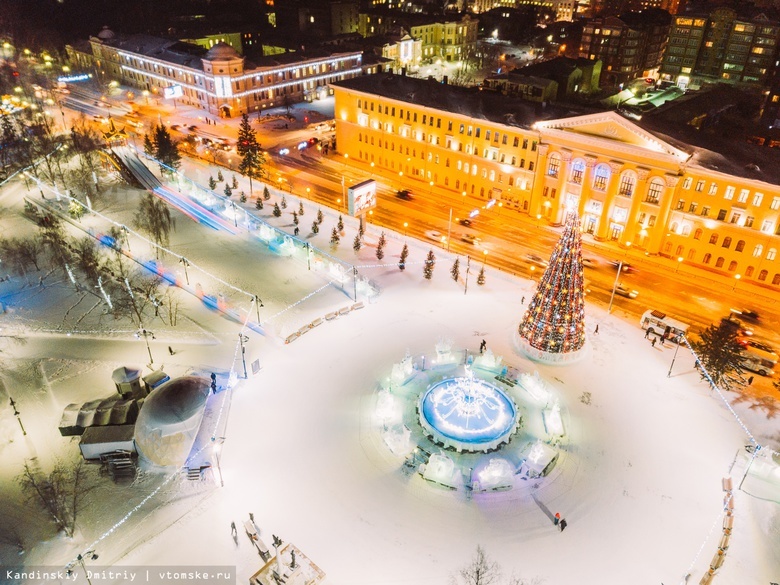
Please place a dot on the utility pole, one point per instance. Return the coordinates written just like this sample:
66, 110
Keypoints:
468, 267
674, 357
146, 335
186, 263
449, 230
258, 304
16, 413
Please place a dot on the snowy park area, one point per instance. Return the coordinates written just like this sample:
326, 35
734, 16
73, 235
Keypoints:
297, 444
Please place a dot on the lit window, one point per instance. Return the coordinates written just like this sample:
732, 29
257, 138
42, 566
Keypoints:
729, 193
553, 165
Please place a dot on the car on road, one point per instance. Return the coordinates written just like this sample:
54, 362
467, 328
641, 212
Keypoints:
537, 260
435, 236
405, 194
470, 239
302, 145
465, 222
627, 268
284, 151
624, 291
590, 263
747, 315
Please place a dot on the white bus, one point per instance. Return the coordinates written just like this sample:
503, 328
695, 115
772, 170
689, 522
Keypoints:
659, 324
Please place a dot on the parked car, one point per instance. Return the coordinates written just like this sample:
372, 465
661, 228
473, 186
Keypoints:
537, 260
624, 291
470, 239
405, 194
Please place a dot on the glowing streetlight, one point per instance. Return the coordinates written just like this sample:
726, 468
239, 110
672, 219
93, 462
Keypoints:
484, 257
406, 225
736, 280
679, 263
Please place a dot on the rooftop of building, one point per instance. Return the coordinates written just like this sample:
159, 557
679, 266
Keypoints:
635, 20
170, 51
469, 102
715, 126
556, 68
414, 18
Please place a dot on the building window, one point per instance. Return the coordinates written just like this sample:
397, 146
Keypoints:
713, 189
697, 234
729, 193
740, 246
707, 258
775, 205
749, 221
749, 271
692, 207
554, 165
700, 185
705, 211
758, 250
721, 215
577, 171
627, 183
726, 242
771, 253
763, 274
735, 217
601, 177
687, 183
714, 239
719, 262
732, 266
680, 204
776, 279
654, 191
767, 226
757, 199
743, 195
679, 251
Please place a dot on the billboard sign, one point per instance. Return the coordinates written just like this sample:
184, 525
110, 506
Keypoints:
361, 197
173, 91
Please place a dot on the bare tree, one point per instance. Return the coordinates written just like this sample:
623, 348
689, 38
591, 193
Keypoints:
482, 570
154, 218
87, 258
131, 290
21, 253
61, 493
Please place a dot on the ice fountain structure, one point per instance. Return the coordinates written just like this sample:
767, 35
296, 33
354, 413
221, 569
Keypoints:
468, 414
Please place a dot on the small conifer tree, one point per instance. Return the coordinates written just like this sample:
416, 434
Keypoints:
258, 203
430, 262
277, 212
220, 178
356, 244
334, 237
315, 227
212, 183
340, 224
455, 270
404, 256
481, 277
284, 202
266, 193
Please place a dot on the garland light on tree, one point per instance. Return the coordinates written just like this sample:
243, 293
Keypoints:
553, 327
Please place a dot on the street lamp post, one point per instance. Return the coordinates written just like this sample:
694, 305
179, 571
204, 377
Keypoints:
468, 269
736, 280
674, 357
146, 333
242, 339
614, 286
186, 263
679, 263
218, 442
16, 414
92, 555
406, 225
449, 230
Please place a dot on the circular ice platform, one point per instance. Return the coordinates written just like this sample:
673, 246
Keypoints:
468, 414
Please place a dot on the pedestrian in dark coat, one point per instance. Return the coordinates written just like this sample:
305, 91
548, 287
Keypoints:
654, 340
563, 524
647, 333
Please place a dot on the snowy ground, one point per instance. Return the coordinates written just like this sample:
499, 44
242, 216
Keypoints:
640, 482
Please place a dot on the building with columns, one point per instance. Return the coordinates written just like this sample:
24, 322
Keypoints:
632, 186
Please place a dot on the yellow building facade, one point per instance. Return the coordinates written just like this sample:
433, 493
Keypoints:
630, 187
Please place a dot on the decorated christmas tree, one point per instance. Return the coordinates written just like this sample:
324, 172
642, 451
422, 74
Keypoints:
553, 327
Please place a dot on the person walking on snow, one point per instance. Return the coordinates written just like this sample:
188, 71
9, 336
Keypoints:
233, 530
170, 350
647, 333
563, 524
557, 518
596, 331
653, 342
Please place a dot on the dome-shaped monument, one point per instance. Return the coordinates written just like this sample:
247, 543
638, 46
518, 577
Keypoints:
106, 34
221, 52
170, 419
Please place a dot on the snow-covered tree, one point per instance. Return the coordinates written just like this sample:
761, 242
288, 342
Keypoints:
266, 193
220, 177
430, 263
320, 217
228, 190
481, 276
315, 227
154, 218
340, 224
242, 197
284, 202
455, 270
404, 256
259, 203
277, 212
234, 182
300, 208
357, 244
295, 217
334, 238
212, 183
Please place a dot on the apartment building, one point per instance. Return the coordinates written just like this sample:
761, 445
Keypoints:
219, 80
631, 187
721, 47
628, 47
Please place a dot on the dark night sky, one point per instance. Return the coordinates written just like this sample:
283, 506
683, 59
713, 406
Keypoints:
51, 23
